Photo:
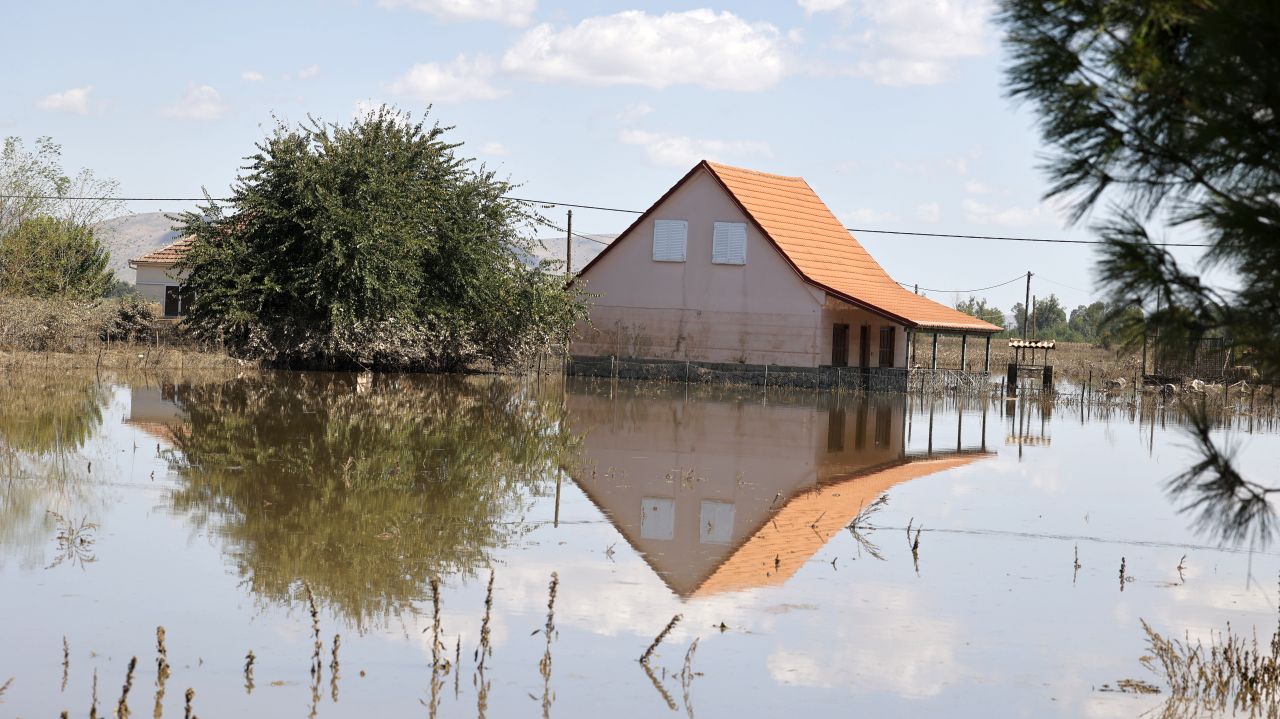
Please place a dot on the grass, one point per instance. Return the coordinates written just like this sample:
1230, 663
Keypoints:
1233, 674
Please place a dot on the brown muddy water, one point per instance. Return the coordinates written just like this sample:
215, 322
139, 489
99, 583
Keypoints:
267, 514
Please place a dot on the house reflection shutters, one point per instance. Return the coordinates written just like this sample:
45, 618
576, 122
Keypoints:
657, 517
729, 243
715, 522
670, 240
887, 338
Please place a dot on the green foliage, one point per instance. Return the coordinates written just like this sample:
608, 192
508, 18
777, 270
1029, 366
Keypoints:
979, 308
372, 246
363, 492
47, 257
1166, 111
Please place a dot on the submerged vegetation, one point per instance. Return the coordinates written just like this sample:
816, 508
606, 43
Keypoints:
376, 484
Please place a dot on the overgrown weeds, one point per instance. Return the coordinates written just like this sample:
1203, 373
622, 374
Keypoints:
1233, 673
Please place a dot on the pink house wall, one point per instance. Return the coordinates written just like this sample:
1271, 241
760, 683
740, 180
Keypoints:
758, 313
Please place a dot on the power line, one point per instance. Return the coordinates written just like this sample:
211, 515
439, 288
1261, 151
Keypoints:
1063, 284
1019, 278
553, 203
1013, 239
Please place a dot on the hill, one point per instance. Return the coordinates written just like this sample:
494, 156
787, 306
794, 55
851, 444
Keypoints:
130, 236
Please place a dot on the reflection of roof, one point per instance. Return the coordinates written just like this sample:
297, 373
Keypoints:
160, 430
167, 255
808, 520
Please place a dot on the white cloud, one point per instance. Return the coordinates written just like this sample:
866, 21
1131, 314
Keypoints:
985, 214
720, 51
493, 148
975, 187
74, 100
680, 151
913, 42
200, 102
308, 72
867, 216
929, 212
816, 6
634, 112
511, 12
251, 76
367, 109
461, 80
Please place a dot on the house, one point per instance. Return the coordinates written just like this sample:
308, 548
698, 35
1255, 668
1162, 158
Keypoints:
157, 281
738, 266
720, 495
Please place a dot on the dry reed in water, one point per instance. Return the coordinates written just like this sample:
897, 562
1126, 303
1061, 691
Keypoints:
5, 687
66, 662
334, 668
666, 697
644, 658
187, 713
544, 666
1233, 674
122, 706
686, 676
484, 650
162, 672
93, 707
248, 672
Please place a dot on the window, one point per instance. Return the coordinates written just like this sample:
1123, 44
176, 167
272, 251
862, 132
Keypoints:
715, 523
670, 238
657, 518
729, 243
887, 337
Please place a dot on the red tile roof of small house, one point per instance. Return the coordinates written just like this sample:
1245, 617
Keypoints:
825, 254
167, 255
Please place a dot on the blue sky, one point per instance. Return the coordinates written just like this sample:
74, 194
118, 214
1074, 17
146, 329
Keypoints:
891, 109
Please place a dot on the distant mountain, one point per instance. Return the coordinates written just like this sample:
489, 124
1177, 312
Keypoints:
585, 249
132, 236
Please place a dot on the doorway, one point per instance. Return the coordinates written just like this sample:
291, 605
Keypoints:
839, 345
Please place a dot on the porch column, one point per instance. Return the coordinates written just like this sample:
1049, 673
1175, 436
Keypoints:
933, 361
986, 359
964, 352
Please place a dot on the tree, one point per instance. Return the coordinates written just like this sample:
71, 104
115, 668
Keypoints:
1047, 317
1168, 112
372, 246
979, 308
34, 184
47, 257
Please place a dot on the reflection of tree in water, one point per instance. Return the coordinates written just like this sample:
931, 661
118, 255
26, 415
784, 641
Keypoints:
362, 492
44, 423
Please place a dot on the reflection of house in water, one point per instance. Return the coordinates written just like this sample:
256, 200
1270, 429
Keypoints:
725, 495
154, 410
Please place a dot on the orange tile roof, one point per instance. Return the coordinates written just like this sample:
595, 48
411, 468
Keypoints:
167, 255
807, 521
790, 214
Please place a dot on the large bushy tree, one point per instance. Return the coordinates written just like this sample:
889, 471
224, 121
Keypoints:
1168, 112
48, 257
372, 245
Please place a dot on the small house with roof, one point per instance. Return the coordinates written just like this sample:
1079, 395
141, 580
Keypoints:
738, 266
158, 281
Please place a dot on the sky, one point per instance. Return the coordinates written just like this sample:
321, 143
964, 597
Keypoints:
892, 110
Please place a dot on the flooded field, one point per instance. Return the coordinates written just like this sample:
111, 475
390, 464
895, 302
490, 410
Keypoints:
327, 545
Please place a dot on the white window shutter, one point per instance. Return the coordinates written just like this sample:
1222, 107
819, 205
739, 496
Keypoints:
729, 243
670, 240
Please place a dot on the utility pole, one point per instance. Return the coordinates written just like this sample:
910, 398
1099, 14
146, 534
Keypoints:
1033, 319
568, 246
1026, 307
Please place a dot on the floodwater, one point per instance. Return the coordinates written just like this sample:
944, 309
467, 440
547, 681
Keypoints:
214, 508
